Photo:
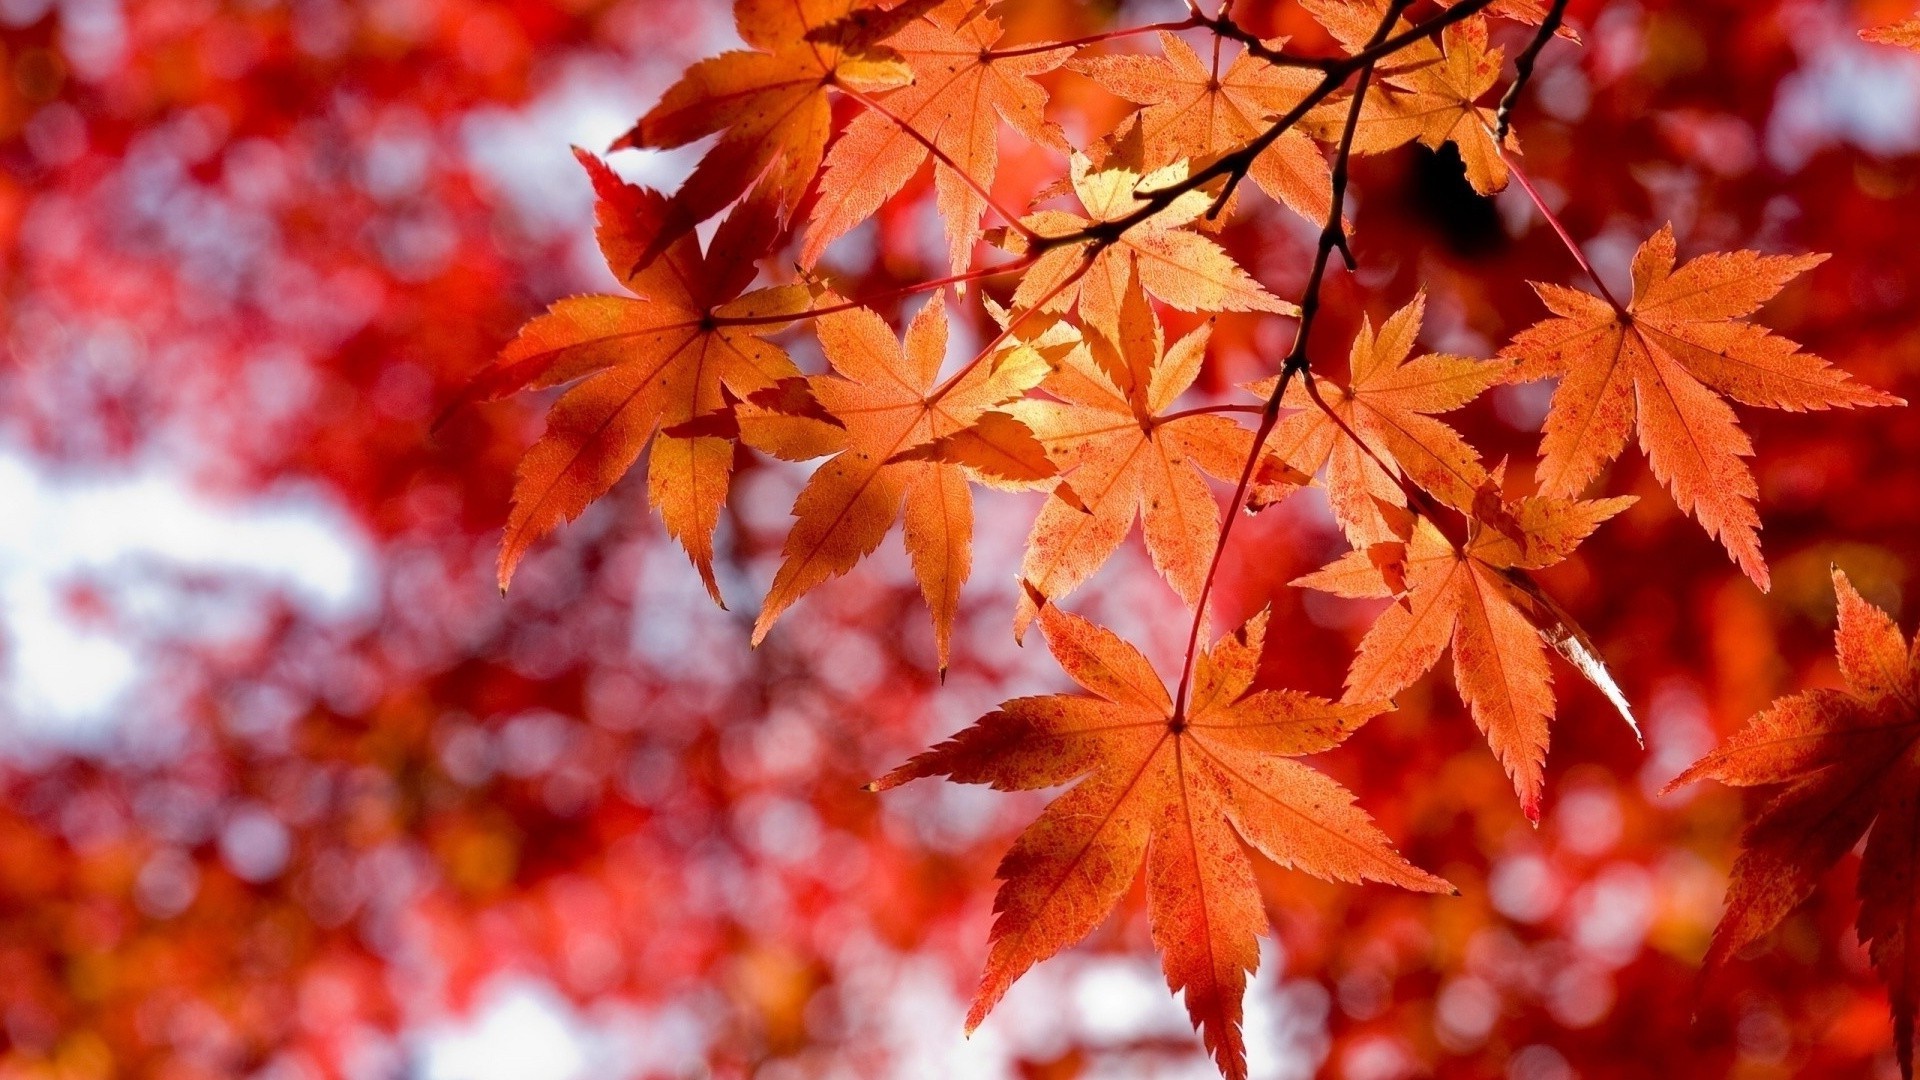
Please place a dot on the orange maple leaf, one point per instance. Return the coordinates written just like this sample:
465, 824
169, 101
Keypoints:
886, 397
654, 362
1905, 35
1427, 92
1680, 344
1193, 112
1123, 457
1182, 268
1476, 597
767, 103
1180, 792
959, 84
1388, 406
1846, 758
1531, 12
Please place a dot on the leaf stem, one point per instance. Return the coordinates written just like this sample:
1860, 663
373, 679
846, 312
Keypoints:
1013, 323
1206, 410
871, 299
1579, 256
1013, 220
1419, 500
1188, 23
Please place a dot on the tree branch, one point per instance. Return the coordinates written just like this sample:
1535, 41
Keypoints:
1523, 67
1102, 233
1332, 236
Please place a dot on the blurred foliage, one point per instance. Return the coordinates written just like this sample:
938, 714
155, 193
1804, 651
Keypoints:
258, 245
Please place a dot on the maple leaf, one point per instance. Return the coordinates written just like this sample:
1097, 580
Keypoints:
1846, 758
1182, 268
658, 361
886, 397
959, 85
1194, 113
1179, 791
1425, 92
1905, 35
1475, 597
1388, 406
1661, 365
767, 103
1123, 458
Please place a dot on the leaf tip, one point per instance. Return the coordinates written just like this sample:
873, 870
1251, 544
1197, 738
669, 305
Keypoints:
1687, 776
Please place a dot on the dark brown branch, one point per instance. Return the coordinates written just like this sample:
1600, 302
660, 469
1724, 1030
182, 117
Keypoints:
1238, 162
1523, 67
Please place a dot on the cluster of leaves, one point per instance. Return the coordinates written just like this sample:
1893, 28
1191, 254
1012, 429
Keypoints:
1075, 395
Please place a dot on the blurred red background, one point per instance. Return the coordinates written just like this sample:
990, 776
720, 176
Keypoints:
288, 790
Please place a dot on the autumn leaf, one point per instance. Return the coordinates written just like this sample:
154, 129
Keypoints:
1846, 761
1531, 12
887, 398
1389, 406
1125, 457
1195, 113
960, 87
1662, 365
767, 103
1475, 597
1427, 93
1906, 34
1178, 790
1179, 267
995, 446
658, 359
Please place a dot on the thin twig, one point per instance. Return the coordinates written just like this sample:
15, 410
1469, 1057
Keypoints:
1223, 26
1523, 68
1102, 233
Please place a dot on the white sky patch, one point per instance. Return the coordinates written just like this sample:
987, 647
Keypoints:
122, 535
520, 1030
1102, 1002
526, 152
1845, 91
